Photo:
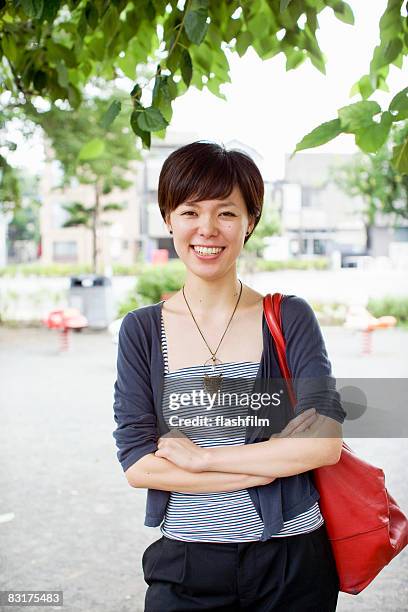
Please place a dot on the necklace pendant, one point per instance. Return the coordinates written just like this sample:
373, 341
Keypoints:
212, 384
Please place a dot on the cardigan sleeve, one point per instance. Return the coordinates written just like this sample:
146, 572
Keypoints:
134, 415
307, 358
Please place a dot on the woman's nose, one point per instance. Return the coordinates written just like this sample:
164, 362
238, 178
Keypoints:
207, 227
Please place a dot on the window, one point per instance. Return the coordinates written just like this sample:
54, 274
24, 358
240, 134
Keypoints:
65, 251
319, 247
306, 197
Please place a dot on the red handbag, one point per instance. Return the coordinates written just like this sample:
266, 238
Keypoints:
365, 526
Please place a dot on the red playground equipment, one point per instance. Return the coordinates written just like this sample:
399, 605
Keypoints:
65, 320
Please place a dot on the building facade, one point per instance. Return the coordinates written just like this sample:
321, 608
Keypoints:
320, 219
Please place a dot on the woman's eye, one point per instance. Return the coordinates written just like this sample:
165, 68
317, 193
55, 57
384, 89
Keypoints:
192, 212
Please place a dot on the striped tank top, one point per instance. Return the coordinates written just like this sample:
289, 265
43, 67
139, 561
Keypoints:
227, 516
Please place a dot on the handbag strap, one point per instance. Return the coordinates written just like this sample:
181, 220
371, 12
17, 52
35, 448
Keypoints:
272, 310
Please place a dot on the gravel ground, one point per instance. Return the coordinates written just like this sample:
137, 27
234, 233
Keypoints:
69, 520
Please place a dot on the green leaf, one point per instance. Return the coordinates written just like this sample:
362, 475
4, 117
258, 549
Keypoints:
343, 12
390, 23
364, 86
284, 5
186, 67
173, 60
195, 22
112, 206
213, 85
63, 79
244, 39
92, 15
233, 28
399, 105
9, 46
74, 96
161, 98
399, 62
145, 136
57, 51
392, 50
111, 114
319, 63
110, 22
259, 24
151, 120
320, 135
371, 138
128, 62
33, 8
82, 26
136, 92
92, 149
294, 59
400, 157
50, 11
358, 115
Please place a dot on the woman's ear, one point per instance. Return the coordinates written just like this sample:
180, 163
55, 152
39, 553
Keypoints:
251, 224
167, 222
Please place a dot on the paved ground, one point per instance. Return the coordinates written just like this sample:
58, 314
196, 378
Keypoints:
68, 519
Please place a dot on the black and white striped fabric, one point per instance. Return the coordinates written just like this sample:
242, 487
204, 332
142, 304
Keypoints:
221, 516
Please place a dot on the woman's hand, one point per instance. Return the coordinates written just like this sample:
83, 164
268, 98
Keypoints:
180, 450
299, 424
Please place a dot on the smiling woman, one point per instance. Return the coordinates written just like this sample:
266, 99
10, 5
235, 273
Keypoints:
236, 508
211, 200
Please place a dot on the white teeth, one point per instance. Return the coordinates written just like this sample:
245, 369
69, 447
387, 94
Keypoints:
207, 250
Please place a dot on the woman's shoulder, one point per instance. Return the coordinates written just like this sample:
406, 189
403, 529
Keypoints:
141, 318
296, 309
295, 303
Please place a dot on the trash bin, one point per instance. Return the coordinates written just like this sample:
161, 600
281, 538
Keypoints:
93, 296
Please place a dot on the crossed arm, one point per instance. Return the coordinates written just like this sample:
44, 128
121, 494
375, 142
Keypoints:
308, 441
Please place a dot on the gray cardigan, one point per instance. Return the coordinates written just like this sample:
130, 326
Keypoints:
138, 402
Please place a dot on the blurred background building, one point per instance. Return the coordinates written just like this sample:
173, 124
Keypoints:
317, 218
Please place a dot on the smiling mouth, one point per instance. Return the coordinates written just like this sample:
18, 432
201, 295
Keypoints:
207, 251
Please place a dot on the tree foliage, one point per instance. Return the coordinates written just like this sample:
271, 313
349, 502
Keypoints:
55, 48
375, 179
370, 124
92, 154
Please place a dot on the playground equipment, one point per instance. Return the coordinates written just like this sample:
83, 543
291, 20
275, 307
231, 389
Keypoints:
65, 320
360, 319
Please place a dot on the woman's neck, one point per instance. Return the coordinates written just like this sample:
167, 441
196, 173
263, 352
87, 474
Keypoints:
215, 295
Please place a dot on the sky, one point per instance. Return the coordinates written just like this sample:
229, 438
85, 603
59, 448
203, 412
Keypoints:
270, 109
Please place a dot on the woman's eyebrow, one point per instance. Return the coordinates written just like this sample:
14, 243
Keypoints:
195, 204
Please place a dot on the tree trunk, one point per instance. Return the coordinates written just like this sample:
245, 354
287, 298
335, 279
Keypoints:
95, 225
369, 237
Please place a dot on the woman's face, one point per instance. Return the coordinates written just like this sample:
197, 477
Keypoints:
217, 226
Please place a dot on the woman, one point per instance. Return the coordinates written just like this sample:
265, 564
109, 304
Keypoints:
238, 511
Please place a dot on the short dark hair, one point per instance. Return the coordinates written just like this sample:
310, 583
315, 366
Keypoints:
204, 170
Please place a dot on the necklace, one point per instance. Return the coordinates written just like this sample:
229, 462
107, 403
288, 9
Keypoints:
213, 384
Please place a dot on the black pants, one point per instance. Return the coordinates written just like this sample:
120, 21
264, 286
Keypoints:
294, 573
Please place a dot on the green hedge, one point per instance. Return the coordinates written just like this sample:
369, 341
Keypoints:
318, 263
261, 265
37, 269
394, 306
152, 283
